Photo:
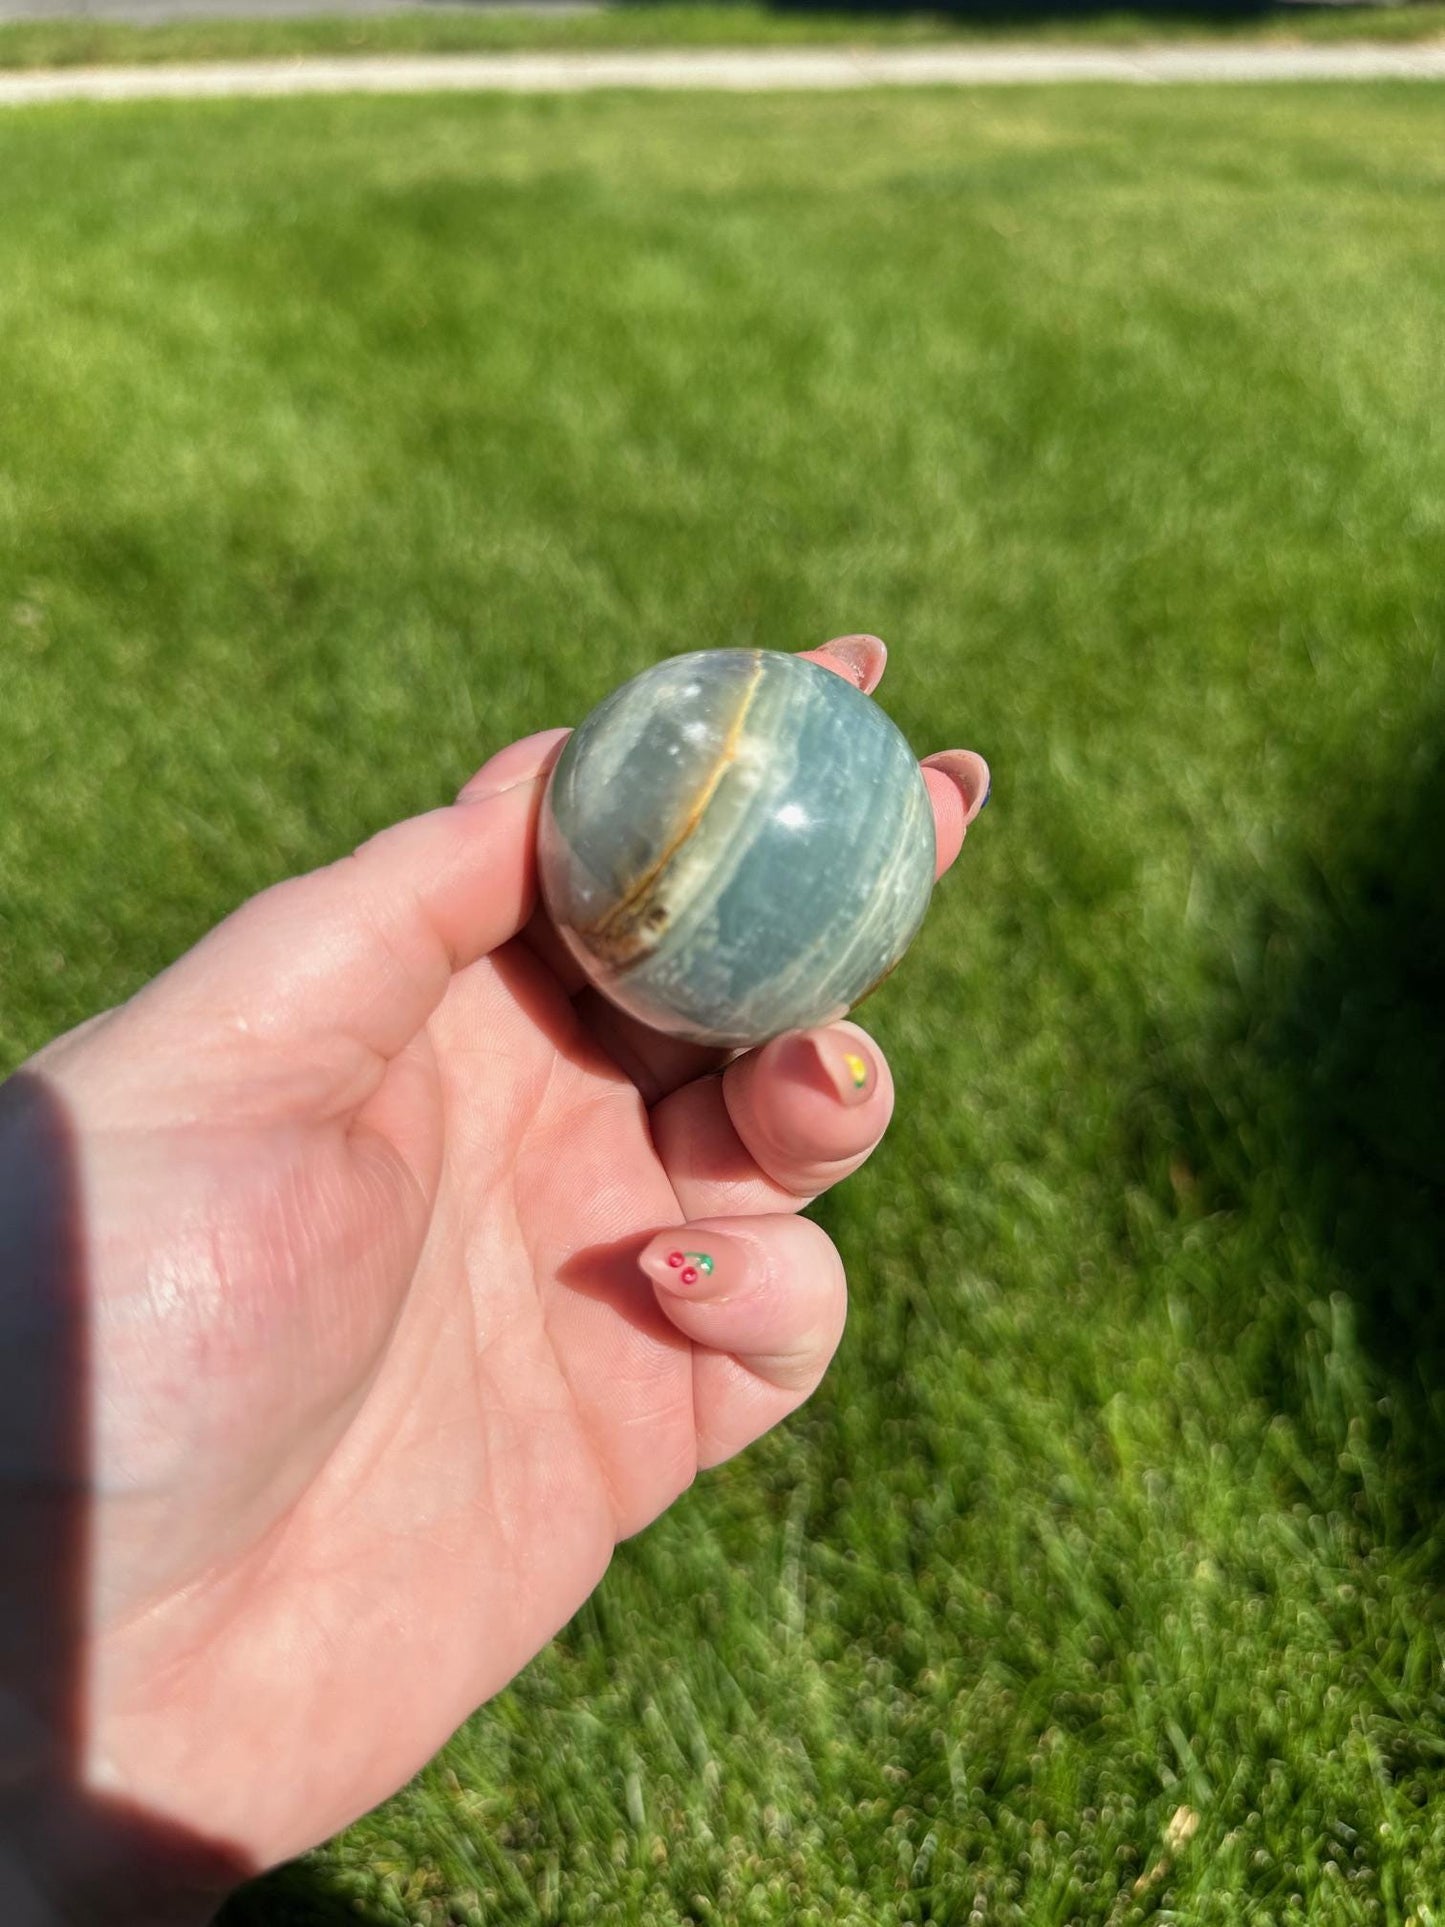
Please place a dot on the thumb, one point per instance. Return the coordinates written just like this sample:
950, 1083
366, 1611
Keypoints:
343, 966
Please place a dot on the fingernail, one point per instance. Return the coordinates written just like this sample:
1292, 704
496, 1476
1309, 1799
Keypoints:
695, 1264
518, 763
865, 657
970, 775
845, 1061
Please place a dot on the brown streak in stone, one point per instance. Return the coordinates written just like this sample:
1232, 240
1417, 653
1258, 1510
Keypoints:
621, 936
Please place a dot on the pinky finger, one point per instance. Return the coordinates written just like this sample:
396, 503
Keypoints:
764, 1301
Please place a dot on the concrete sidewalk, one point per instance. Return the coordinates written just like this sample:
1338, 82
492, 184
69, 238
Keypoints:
740, 71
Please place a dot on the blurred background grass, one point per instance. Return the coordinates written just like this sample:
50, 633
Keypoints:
91, 39
342, 441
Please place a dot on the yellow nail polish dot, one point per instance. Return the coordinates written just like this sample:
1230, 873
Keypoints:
857, 1069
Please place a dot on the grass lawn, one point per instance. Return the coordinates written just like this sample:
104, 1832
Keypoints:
342, 441
711, 23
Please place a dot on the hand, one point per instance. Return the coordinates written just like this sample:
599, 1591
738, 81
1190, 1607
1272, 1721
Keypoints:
355, 1226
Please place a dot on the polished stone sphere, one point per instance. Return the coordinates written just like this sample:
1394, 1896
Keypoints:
736, 843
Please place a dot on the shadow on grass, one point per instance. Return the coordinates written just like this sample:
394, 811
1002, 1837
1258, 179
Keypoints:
1362, 1045
1316, 1112
1032, 17
1032, 14
304, 1894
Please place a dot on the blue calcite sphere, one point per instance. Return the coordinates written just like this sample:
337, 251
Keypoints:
736, 843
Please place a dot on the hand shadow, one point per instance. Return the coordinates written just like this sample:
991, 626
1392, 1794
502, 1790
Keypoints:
118, 1865
113, 1858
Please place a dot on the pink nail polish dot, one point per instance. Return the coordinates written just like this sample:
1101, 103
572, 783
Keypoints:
674, 1258
689, 1277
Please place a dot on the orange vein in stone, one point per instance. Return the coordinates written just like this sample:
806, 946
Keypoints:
620, 911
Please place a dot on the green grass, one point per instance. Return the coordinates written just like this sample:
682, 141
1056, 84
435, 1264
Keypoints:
341, 442
712, 23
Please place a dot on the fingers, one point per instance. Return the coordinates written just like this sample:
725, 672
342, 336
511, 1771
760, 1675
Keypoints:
958, 784
330, 975
859, 660
779, 1125
764, 1300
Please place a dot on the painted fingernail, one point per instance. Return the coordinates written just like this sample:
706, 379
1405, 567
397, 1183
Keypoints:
865, 658
969, 774
845, 1062
698, 1266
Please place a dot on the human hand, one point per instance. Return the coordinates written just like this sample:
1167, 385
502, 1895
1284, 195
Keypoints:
355, 1225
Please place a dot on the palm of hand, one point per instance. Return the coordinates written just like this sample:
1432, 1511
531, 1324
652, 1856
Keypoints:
481, 1396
